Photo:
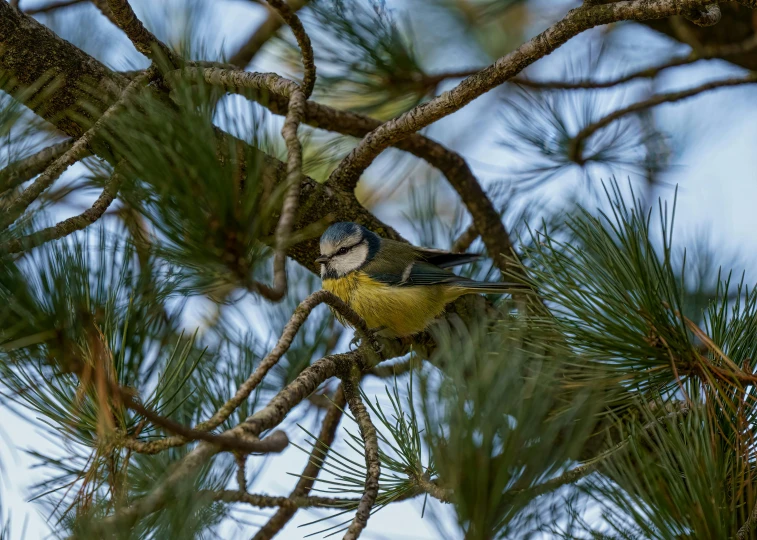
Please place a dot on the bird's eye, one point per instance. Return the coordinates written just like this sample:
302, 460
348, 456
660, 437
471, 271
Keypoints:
342, 251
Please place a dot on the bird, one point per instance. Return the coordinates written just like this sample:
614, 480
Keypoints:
397, 288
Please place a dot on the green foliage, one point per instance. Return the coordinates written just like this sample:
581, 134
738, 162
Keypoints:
494, 27
401, 455
540, 127
366, 60
679, 476
76, 318
211, 221
616, 297
501, 422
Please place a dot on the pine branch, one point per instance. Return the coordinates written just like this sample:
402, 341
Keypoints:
577, 144
303, 40
315, 461
291, 199
704, 53
27, 168
266, 418
70, 225
292, 122
276, 442
144, 41
578, 20
77, 151
433, 489
298, 318
485, 217
351, 386
241, 461
262, 34
464, 241
31, 51
291, 503
746, 528
385, 372
54, 6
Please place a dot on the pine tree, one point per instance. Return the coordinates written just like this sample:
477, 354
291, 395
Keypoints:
170, 336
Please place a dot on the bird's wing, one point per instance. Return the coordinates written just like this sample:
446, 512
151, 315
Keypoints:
419, 273
446, 259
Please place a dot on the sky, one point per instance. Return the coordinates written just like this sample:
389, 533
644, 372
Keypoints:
714, 172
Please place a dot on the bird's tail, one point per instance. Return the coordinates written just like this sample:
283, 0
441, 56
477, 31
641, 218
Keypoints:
480, 287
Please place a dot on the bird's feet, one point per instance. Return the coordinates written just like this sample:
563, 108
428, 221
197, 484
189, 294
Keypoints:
371, 337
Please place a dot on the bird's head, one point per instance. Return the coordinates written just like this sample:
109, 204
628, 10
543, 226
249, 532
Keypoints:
346, 247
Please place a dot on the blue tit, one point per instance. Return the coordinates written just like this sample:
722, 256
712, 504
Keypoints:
393, 286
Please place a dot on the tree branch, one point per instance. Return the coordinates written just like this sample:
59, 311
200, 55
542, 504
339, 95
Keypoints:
266, 418
70, 225
53, 6
351, 385
578, 142
83, 86
27, 168
464, 241
291, 503
578, 20
291, 198
144, 40
298, 318
485, 217
310, 472
306, 48
77, 151
274, 443
262, 34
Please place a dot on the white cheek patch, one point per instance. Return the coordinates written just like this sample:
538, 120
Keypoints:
350, 261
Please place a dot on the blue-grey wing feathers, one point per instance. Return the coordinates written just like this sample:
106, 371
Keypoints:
421, 274
446, 259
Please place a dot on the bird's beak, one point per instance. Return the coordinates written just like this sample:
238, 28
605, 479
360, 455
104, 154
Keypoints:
322, 259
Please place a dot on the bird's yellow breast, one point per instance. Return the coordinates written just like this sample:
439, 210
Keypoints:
401, 310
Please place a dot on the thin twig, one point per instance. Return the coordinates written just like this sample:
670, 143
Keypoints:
351, 385
746, 528
261, 35
465, 240
274, 443
433, 489
144, 40
393, 370
27, 168
294, 115
78, 150
284, 503
241, 460
70, 225
578, 142
53, 6
292, 122
576, 21
310, 472
291, 197
303, 40
705, 53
